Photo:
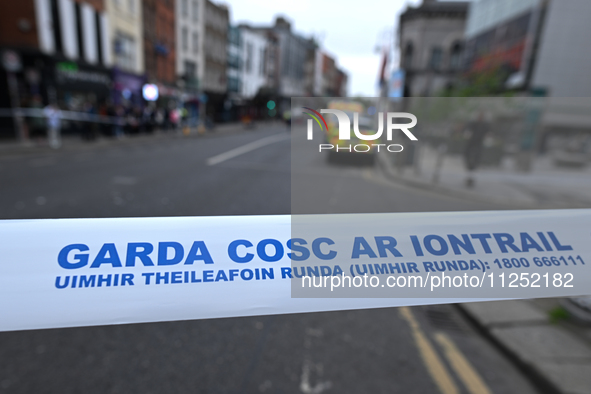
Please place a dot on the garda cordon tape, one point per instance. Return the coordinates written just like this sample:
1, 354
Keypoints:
82, 272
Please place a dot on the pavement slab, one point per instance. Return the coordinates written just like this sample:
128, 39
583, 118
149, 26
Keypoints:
571, 378
505, 312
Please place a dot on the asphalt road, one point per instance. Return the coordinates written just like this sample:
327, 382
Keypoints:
396, 350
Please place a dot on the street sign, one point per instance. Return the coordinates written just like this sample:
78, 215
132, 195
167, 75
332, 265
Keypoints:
396, 84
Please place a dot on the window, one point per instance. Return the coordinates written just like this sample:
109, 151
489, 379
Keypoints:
233, 61
233, 84
408, 53
125, 51
185, 39
234, 36
195, 10
190, 70
248, 57
262, 61
455, 56
436, 57
195, 42
184, 8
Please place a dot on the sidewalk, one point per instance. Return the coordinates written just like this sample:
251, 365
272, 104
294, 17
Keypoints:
556, 355
546, 186
75, 142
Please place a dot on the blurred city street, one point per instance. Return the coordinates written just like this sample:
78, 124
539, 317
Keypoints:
383, 350
194, 108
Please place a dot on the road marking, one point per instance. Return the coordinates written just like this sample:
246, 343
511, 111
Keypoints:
308, 367
212, 161
462, 366
432, 361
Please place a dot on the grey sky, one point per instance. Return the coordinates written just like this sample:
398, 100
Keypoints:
347, 29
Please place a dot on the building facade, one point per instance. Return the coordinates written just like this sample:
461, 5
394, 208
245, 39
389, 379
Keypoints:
431, 44
289, 61
235, 62
125, 34
562, 68
159, 41
538, 47
254, 62
214, 74
537, 42
62, 52
190, 31
294, 52
215, 42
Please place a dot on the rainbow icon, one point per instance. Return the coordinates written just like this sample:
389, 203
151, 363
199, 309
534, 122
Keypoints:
316, 118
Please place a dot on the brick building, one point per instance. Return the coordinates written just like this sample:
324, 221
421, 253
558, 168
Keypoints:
160, 40
63, 48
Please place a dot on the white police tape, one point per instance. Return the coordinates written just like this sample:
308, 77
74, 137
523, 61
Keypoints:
80, 272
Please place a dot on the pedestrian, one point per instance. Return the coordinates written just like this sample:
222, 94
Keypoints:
148, 118
53, 116
175, 118
159, 119
36, 123
119, 115
167, 121
474, 146
91, 128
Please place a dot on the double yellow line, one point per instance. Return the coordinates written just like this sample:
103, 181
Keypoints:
462, 367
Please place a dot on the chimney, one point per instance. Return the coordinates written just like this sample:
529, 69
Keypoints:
282, 23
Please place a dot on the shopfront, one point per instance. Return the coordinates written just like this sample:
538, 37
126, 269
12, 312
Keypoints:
127, 88
80, 87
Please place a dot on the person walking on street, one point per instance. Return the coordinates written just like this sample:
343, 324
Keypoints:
52, 114
474, 146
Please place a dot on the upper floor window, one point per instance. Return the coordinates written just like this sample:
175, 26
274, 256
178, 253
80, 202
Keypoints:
407, 58
125, 51
456, 56
262, 61
248, 57
195, 42
185, 38
436, 58
195, 11
184, 8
